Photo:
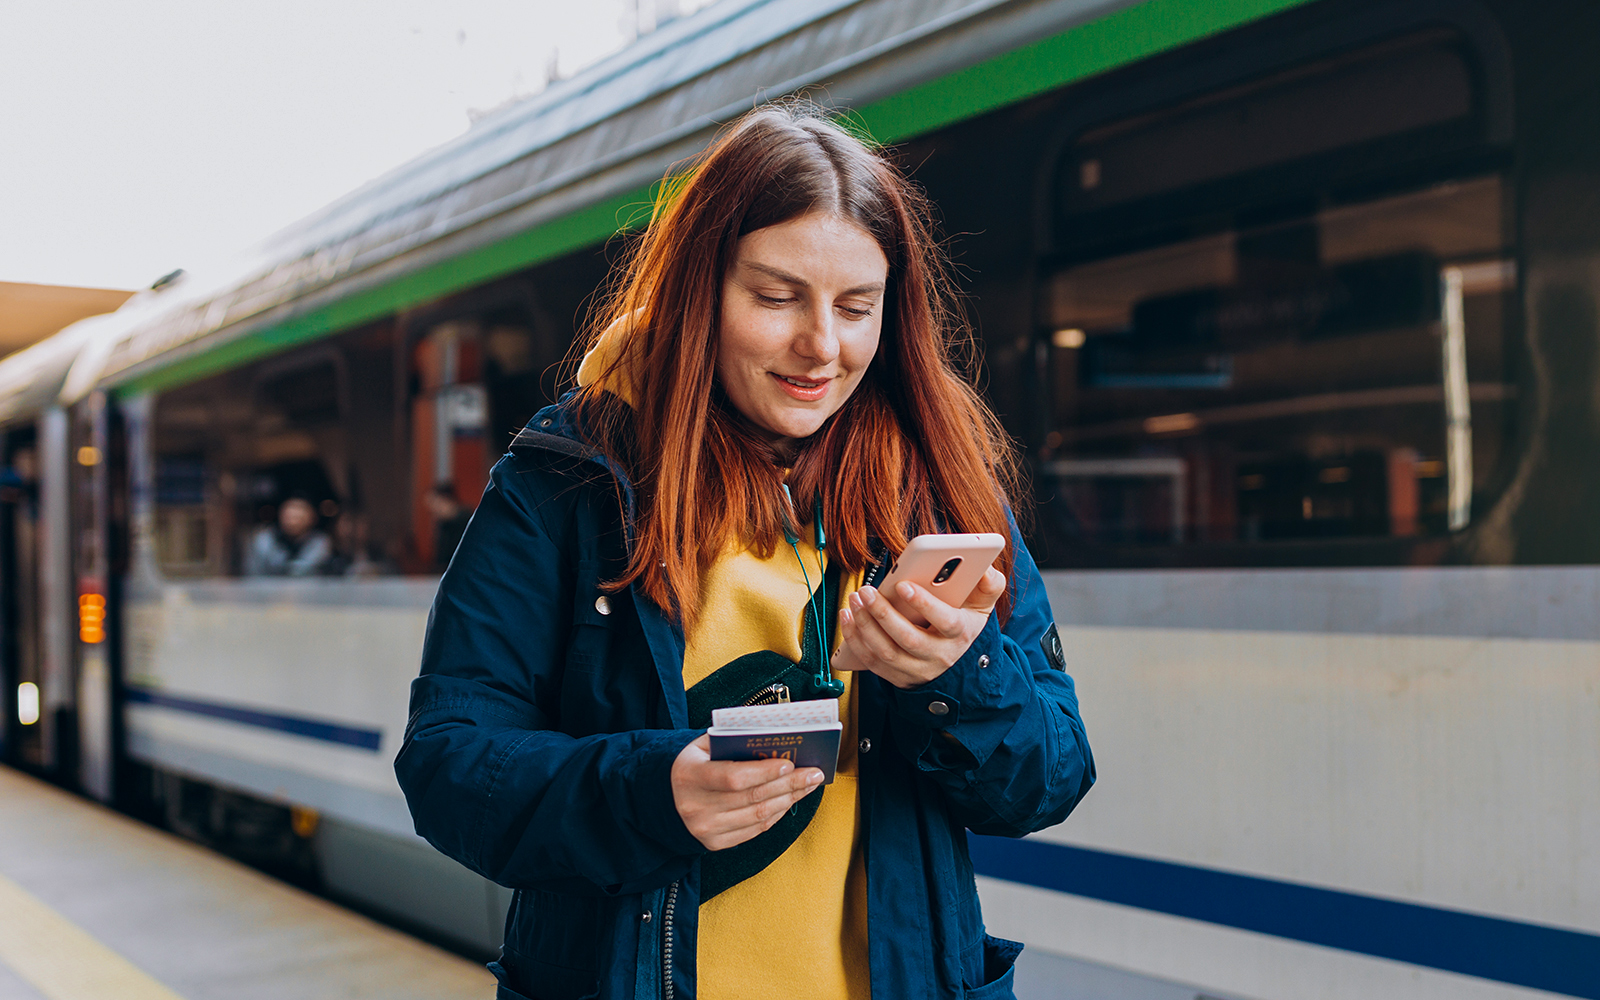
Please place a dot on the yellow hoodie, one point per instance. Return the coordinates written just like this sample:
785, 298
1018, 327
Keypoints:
799, 926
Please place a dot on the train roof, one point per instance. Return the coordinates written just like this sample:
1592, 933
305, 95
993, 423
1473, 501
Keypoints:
563, 170
31, 379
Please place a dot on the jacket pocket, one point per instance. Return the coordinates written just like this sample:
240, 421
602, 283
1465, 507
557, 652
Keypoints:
542, 973
999, 969
502, 991
549, 952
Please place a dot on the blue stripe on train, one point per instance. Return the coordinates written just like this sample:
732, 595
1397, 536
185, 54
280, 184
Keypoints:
1544, 958
331, 732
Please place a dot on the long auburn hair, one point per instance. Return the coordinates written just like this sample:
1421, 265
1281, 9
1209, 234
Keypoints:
913, 450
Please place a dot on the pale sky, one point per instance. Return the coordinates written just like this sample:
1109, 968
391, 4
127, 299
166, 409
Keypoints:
140, 136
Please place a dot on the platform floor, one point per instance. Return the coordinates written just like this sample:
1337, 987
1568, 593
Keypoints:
93, 904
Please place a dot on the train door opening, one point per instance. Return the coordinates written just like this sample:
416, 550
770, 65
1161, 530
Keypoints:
41, 714
21, 664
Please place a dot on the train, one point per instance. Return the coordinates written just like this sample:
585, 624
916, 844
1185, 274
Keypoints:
1291, 306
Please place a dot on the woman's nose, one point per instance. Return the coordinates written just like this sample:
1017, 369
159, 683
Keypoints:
819, 341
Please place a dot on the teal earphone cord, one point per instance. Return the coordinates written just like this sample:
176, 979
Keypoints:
825, 679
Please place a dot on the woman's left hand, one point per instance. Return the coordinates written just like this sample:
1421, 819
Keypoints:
877, 637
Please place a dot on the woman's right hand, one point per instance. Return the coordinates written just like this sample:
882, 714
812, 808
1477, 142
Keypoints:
726, 802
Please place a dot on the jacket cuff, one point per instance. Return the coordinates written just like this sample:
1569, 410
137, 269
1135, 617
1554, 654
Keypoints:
955, 721
652, 792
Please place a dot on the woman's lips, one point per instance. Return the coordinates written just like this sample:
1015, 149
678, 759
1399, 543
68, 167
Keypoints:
809, 390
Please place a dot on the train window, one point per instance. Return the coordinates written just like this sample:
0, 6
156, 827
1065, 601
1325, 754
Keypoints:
1338, 376
285, 467
1275, 318
361, 455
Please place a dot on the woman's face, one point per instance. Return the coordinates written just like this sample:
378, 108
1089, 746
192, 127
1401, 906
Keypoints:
802, 308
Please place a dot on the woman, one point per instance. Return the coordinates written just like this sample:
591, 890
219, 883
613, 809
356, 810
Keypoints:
770, 406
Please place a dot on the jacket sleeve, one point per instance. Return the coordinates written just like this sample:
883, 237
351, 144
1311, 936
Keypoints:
999, 731
490, 779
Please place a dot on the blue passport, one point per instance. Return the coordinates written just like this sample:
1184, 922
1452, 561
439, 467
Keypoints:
805, 732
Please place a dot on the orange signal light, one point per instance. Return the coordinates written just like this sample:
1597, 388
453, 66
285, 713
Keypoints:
92, 618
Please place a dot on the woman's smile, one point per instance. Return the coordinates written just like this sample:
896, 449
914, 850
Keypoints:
810, 390
801, 318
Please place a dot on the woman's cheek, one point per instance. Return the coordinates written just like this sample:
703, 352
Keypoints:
866, 348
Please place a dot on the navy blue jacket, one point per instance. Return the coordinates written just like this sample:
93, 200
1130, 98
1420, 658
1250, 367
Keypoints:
548, 715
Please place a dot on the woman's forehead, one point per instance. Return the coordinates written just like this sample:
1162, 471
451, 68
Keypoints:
814, 249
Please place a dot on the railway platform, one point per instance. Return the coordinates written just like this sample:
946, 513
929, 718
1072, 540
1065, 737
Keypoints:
94, 904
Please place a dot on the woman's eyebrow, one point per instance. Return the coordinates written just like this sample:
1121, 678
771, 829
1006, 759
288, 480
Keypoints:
869, 288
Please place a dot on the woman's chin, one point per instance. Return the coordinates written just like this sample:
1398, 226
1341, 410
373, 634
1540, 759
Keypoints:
791, 431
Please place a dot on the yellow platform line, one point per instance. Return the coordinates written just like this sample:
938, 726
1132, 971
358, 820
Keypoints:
61, 959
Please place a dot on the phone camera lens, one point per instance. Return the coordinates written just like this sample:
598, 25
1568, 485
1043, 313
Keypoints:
946, 570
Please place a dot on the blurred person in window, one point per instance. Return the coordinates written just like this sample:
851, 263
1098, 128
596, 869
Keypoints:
292, 547
353, 551
449, 519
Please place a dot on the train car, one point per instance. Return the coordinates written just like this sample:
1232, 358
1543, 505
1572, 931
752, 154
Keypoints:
1291, 306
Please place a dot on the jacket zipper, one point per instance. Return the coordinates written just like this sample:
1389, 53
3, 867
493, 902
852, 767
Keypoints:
771, 694
667, 913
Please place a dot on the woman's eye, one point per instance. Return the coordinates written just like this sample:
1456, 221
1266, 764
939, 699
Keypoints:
773, 300
855, 312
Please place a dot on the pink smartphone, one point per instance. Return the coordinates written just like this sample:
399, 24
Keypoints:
947, 566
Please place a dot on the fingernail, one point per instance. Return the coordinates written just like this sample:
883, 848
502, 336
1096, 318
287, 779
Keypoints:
814, 778
907, 591
868, 595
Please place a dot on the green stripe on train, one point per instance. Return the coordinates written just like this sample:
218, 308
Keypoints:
582, 228
1119, 38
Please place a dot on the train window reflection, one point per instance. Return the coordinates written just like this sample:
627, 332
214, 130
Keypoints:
1336, 376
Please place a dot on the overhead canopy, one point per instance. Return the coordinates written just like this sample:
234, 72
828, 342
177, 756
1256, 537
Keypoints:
30, 313
566, 168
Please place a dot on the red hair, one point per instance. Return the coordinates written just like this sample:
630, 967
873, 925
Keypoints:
913, 450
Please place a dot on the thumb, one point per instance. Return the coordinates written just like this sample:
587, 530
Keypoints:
987, 593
